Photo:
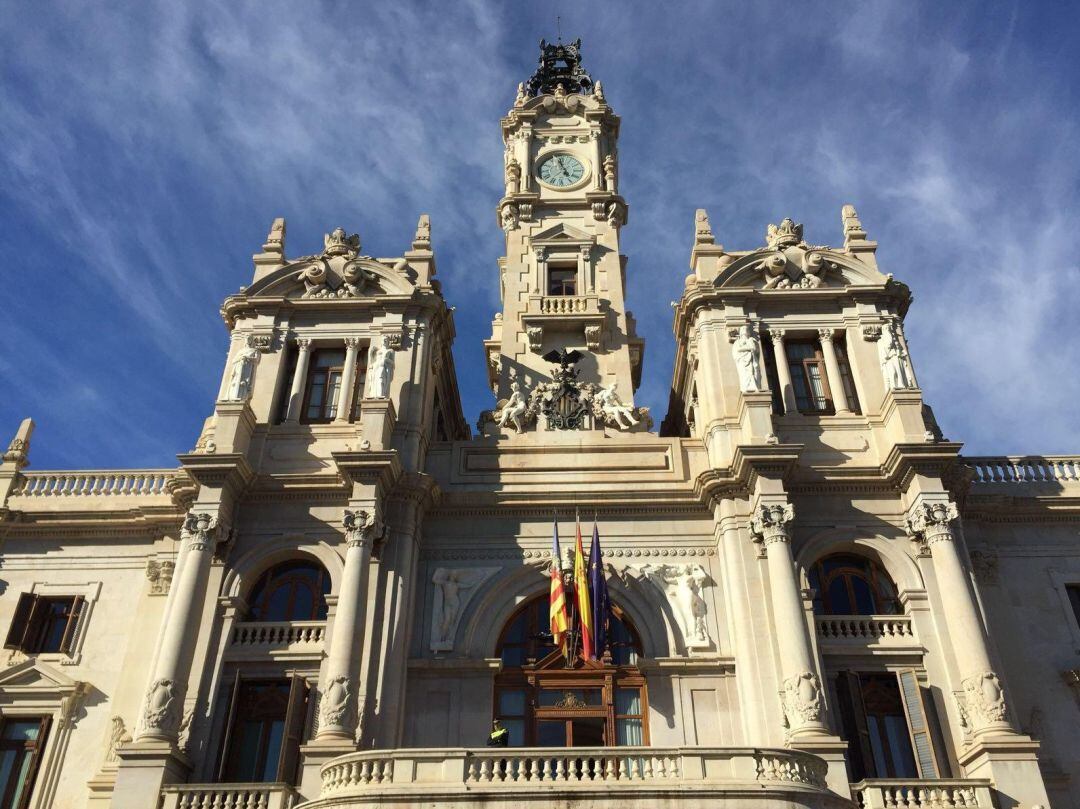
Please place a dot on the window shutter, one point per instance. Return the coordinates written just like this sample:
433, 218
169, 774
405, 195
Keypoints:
74, 622
919, 728
230, 720
20, 624
35, 763
856, 731
294, 730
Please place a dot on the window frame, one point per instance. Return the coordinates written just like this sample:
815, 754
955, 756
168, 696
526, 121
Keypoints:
874, 575
295, 726
37, 755
280, 575
329, 406
799, 368
572, 270
84, 597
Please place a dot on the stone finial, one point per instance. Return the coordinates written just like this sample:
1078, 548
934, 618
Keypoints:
275, 239
786, 234
853, 229
422, 238
339, 243
702, 229
598, 93
18, 451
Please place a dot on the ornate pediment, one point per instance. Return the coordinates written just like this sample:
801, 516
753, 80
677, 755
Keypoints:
563, 234
33, 679
797, 267
337, 275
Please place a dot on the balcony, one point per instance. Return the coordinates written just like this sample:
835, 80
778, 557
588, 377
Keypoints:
276, 640
228, 796
925, 794
634, 777
568, 308
866, 630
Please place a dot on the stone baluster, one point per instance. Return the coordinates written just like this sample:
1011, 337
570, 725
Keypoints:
985, 707
348, 380
296, 392
832, 368
338, 708
801, 695
163, 708
783, 372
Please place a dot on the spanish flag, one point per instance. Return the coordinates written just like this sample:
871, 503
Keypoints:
581, 593
557, 607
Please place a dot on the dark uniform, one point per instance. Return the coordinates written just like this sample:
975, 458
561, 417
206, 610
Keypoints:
500, 737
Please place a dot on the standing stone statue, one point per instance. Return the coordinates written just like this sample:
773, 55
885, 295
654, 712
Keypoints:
894, 360
747, 352
380, 371
242, 375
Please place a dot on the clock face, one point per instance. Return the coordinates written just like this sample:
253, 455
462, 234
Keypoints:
561, 171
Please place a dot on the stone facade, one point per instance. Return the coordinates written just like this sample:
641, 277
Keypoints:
793, 547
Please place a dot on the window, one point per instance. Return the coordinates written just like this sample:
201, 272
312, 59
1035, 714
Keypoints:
264, 730
45, 624
1073, 591
808, 376
544, 702
886, 726
562, 281
291, 591
846, 377
21, 742
846, 584
323, 389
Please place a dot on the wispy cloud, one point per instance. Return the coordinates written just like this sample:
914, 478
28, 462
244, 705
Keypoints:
147, 148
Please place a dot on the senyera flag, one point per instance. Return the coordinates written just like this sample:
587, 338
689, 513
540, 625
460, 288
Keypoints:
601, 605
581, 595
557, 606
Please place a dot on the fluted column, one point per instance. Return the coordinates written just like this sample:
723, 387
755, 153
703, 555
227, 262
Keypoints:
832, 368
337, 718
985, 707
348, 378
296, 393
783, 373
163, 708
800, 695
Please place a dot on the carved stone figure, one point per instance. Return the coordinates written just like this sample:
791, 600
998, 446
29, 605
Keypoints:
380, 371
162, 706
453, 589
614, 412
895, 364
682, 587
985, 699
747, 352
242, 375
514, 409
335, 702
118, 736
801, 699
160, 575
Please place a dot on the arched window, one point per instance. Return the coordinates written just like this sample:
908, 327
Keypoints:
846, 584
290, 591
544, 701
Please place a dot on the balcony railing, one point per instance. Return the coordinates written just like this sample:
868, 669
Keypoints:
866, 628
129, 482
572, 307
447, 777
1025, 468
925, 794
296, 638
228, 796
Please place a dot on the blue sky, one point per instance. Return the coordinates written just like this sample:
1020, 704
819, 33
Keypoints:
145, 150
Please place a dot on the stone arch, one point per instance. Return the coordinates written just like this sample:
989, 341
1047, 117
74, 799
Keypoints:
896, 560
248, 567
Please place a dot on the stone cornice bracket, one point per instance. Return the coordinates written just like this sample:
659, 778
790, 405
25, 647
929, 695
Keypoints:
359, 468
932, 521
772, 522
229, 472
362, 527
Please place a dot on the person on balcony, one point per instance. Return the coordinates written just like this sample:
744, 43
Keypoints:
500, 736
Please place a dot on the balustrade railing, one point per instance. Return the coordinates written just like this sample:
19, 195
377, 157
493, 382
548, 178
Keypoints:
228, 796
564, 304
278, 634
130, 482
570, 768
873, 628
1024, 468
923, 794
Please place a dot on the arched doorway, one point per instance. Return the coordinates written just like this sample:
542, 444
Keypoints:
544, 701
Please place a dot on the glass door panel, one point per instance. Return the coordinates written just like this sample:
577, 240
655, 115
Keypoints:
551, 733
587, 731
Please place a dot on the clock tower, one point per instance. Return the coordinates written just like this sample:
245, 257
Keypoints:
562, 280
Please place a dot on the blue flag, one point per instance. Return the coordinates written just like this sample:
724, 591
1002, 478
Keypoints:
601, 606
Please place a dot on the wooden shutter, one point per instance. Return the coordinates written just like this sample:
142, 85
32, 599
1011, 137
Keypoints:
856, 731
918, 726
35, 763
230, 721
294, 730
74, 621
19, 632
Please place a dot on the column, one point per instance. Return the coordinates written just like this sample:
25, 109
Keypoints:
296, 393
337, 718
598, 166
783, 373
985, 707
832, 368
348, 379
801, 690
165, 696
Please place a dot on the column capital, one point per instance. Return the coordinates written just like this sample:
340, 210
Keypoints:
200, 530
352, 342
361, 527
776, 335
827, 334
771, 522
303, 343
933, 521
